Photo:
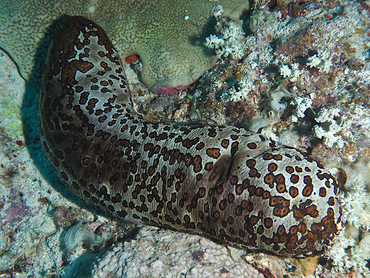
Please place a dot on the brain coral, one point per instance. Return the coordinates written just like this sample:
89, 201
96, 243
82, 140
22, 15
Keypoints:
168, 35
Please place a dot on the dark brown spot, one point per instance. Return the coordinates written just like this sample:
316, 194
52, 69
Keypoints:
281, 188
269, 178
322, 192
212, 132
294, 178
201, 192
186, 218
298, 158
272, 167
231, 198
289, 169
225, 143
267, 156
216, 214
268, 222
208, 166
200, 146
213, 152
238, 210
234, 148
331, 201
253, 173
307, 190
102, 119
260, 230
254, 220
234, 180
252, 145
239, 189
222, 205
86, 160
251, 163
64, 176
293, 191
279, 179
219, 189
277, 157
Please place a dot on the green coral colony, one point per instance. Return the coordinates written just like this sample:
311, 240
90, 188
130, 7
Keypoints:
222, 182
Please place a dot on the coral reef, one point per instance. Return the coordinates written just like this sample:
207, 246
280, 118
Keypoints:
350, 251
316, 50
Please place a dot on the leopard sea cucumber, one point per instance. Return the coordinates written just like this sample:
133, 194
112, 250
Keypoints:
222, 182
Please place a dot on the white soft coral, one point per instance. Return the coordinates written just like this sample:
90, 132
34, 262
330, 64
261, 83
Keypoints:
230, 43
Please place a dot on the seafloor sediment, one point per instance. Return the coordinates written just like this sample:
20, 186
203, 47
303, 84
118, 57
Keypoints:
297, 71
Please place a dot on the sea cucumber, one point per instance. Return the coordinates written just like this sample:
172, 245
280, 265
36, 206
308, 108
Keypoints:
222, 182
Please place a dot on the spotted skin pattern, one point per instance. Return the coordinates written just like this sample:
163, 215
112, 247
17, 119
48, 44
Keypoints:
222, 182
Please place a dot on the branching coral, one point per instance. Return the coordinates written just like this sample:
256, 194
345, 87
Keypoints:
230, 41
302, 104
330, 117
350, 251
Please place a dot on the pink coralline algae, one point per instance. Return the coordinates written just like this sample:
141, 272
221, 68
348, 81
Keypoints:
15, 208
169, 90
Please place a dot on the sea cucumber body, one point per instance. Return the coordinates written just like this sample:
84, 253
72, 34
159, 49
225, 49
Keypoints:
222, 182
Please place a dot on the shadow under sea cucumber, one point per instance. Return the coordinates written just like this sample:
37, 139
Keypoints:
222, 182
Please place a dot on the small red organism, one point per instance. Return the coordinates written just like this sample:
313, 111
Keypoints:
131, 59
19, 143
224, 270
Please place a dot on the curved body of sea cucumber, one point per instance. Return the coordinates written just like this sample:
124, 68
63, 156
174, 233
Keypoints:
222, 182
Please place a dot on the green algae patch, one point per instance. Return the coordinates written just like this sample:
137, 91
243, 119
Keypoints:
10, 119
